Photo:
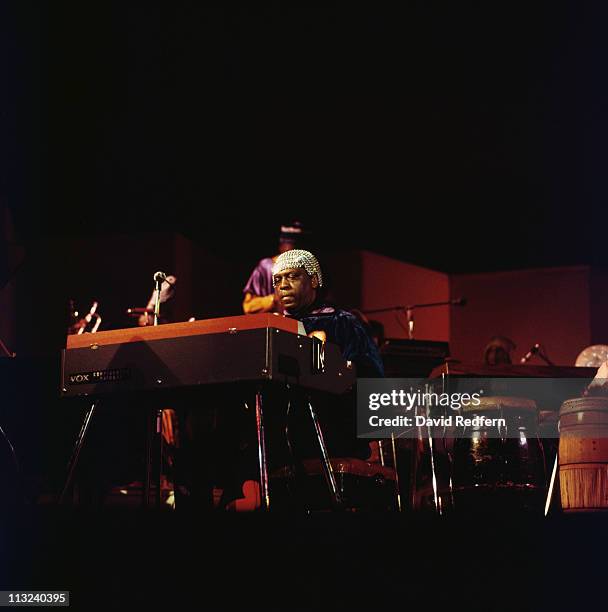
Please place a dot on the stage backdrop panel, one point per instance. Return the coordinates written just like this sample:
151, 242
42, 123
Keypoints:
366, 280
551, 306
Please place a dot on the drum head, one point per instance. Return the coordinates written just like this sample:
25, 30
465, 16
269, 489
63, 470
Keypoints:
593, 356
584, 404
506, 402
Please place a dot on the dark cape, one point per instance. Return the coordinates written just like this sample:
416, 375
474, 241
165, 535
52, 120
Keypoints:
345, 330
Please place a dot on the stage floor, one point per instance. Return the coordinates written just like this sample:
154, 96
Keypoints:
121, 558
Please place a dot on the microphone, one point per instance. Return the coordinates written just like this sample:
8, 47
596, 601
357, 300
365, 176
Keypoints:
139, 311
159, 278
530, 353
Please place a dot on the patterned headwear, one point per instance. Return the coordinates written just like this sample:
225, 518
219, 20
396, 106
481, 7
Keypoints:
297, 258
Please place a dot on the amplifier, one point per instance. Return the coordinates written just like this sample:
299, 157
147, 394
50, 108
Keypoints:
412, 358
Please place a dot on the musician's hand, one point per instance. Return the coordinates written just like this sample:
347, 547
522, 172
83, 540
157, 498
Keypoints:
144, 320
320, 334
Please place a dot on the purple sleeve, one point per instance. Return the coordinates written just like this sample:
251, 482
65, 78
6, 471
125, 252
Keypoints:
260, 281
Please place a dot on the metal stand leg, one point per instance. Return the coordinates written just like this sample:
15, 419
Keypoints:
396, 468
76, 452
551, 483
154, 445
438, 507
259, 420
336, 497
159, 474
145, 500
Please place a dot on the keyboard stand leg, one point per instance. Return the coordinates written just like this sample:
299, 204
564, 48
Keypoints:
145, 500
159, 448
259, 420
330, 478
76, 452
154, 446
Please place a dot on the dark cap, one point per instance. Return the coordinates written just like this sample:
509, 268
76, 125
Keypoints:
291, 232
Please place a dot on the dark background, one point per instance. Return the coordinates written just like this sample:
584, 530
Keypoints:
462, 136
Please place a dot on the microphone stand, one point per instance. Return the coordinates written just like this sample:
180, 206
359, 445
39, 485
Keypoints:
537, 349
410, 322
409, 311
545, 358
158, 282
154, 437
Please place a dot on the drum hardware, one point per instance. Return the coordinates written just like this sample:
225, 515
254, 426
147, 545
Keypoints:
387, 456
88, 324
396, 468
425, 434
551, 483
393, 456
436, 498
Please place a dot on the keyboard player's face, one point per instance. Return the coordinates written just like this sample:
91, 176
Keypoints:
295, 289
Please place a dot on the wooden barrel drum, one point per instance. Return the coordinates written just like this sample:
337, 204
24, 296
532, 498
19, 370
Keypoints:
583, 454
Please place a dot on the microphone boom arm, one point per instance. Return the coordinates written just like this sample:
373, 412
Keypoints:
457, 302
409, 314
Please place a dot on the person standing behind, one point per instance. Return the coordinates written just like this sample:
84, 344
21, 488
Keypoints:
259, 294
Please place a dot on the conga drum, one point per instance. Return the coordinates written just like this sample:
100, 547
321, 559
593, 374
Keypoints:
583, 454
495, 466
